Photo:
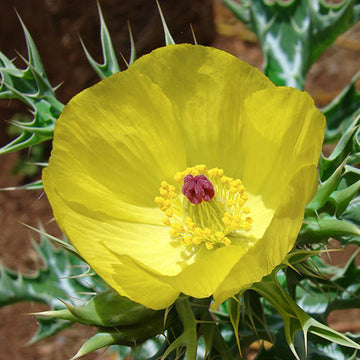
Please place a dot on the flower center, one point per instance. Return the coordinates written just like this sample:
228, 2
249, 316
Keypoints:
198, 188
204, 207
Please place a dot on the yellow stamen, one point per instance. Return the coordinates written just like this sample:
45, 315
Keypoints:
221, 221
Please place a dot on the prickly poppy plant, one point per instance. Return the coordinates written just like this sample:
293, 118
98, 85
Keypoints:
194, 198
187, 173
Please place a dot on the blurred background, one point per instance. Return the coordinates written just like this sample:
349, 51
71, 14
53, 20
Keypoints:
56, 26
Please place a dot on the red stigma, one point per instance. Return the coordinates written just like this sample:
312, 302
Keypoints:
198, 188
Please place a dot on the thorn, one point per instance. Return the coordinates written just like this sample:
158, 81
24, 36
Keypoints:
193, 35
169, 40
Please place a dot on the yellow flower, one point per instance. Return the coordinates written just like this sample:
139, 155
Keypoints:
187, 173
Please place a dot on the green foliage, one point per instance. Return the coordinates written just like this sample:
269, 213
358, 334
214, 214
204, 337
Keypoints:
295, 319
334, 211
57, 279
340, 112
32, 87
61, 278
110, 65
293, 34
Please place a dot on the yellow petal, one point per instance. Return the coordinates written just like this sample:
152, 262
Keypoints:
278, 240
283, 132
119, 138
95, 238
93, 232
207, 90
281, 145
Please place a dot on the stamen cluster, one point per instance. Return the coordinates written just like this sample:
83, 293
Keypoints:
214, 222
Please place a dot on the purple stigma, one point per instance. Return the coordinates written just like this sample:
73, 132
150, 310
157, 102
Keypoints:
198, 188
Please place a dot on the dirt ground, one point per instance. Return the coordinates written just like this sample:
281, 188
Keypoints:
326, 78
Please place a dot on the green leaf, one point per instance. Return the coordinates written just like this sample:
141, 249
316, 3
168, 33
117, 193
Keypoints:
98, 341
319, 349
49, 284
295, 319
169, 40
352, 212
110, 64
188, 339
325, 189
293, 34
60, 278
320, 229
339, 113
35, 185
345, 148
47, 328
32, 87
109, 309
341, 198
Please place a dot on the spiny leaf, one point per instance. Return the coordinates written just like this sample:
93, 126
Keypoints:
295, 319
339, 113
55, 280
169, 40
188, 339
98, 341
110, 64
293, 34
32, 87
33, 54
109, 309
35, 185
47, 328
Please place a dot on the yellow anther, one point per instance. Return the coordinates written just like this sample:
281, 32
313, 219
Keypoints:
167, 203
246, 210
192, 171
246, 226
209, 245
173, 233
220, 235
226, 241
201, 168
215, 172
241, 189
249, 220
178, 227
226, 180
233, 190
186, 241
189, 221
240, 202
236, 183
172, 194
245, 196
164, 185
199, 232
166, 221
237, 219
207, 232
169, 213
172, 188
164, 193
197, 240
178, 177
226, 221
159, 200
230, 203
